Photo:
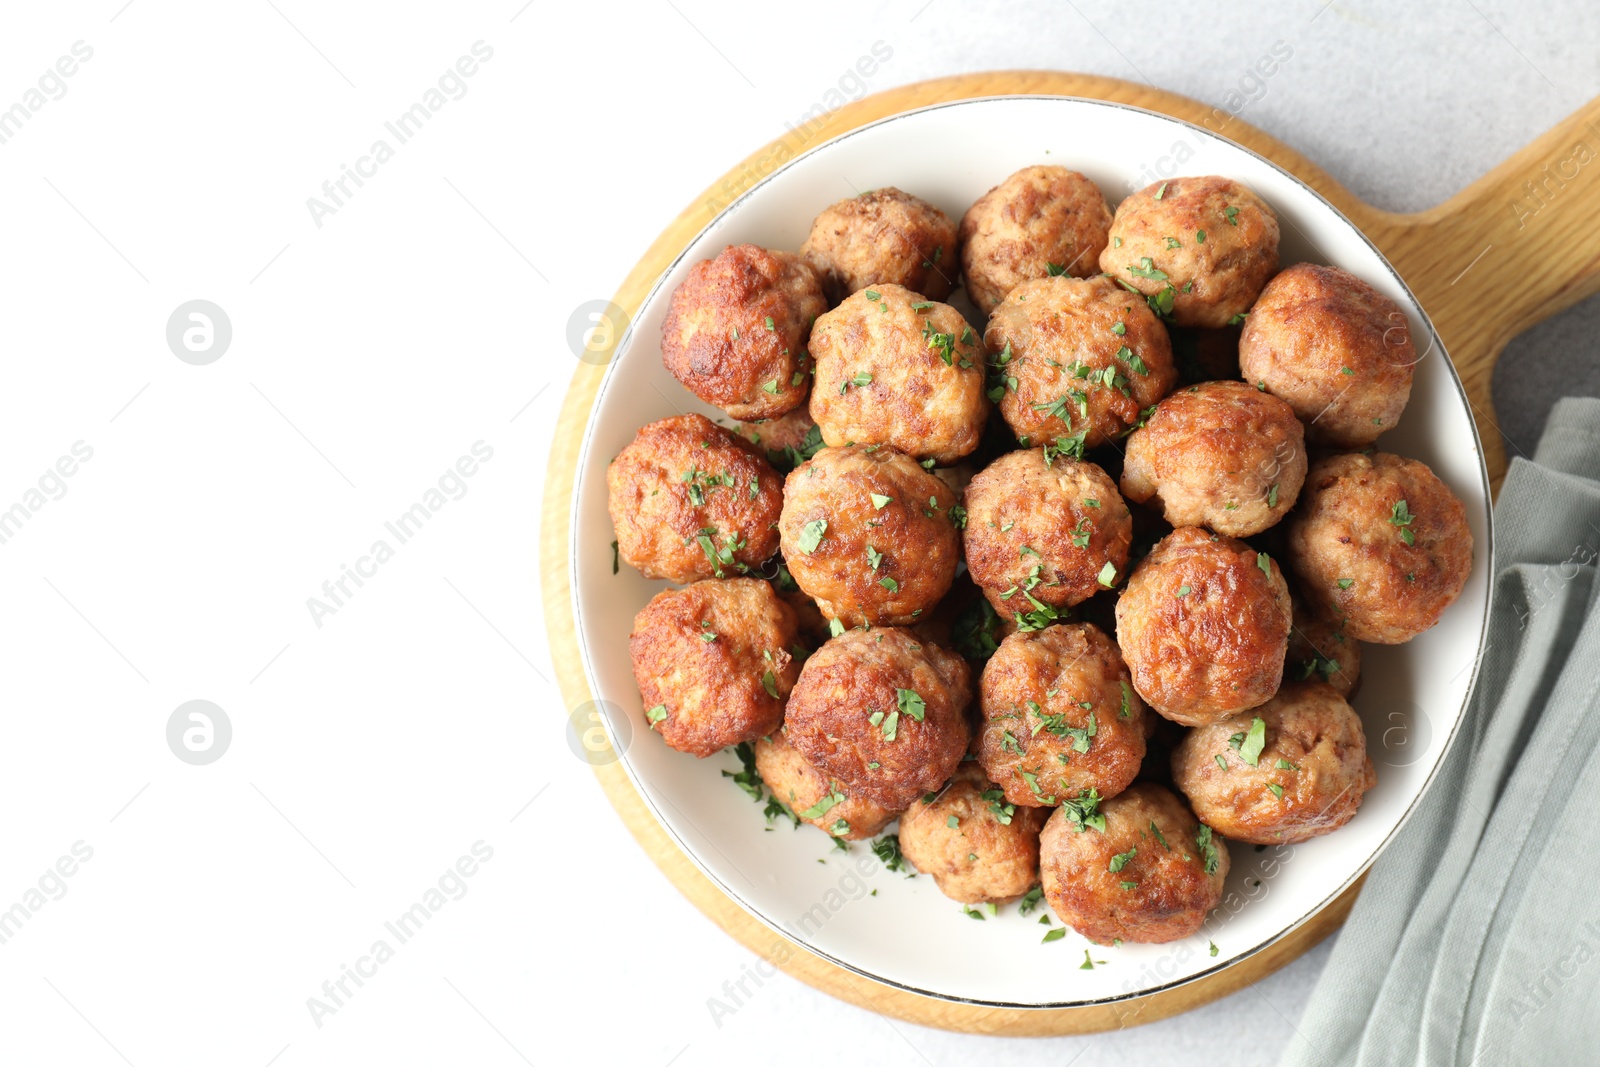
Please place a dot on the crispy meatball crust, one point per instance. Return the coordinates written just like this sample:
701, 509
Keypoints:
1219, 454
883, 237
990, 855
1307, 781
1053, 340
1335, 348
1041, 693
683, 478
1039, 221
735, 333
890, 675
1205, 654
895, 369
1209, 281
803, 789
1321, 650
1045, 532
714, 692
884, 565
1169, 890
1348, 543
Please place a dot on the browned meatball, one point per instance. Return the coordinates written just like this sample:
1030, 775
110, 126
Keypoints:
1293, 769
811, 796
1335, 348
869, 535
1076, 358
1380, 544
1199, 248
1218, 454
1204, 625
1321, 650
882, 711
1150, 875
895, 369
713, 663
735, 333
1038, 222
691, 500
1060, 716
788, 441
883, 237
1041, 534
978, 848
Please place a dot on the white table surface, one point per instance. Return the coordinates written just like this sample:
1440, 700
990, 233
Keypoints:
374, 745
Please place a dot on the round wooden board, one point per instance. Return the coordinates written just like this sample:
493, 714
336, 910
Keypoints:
1511, 249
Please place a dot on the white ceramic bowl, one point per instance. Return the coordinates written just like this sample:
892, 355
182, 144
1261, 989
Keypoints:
903, 931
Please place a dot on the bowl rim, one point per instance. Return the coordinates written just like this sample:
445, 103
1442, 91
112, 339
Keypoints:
580, 471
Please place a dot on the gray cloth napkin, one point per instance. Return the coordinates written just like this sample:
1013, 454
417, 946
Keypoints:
1477, 937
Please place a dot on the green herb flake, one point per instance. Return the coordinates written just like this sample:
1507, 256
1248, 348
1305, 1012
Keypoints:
1264, 561
1121, 860
910, 703
811, 535
1108, 575
1208, 848
879, 501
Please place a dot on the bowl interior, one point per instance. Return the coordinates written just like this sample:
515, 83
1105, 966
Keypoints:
844, 905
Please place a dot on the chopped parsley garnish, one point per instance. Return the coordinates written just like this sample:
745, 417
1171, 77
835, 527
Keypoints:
1083, 811
1161, 191
1208, 848
910, 703
811, 535
997, 804
1231, 213
1127, 701
1030, 900
879, 501
1054, 271
1277, 790
1285, 765
889, 584
942, 343
1087, 964
861, 378
874, 558
1121, 859
952, 822
1080, 534
777, 809
823, 806
747, 779
1054, 934
1183, 591
1200, 237
1250, 744
723, 556
1147, 269
1221, 761
769, 682
655, 715
772, 386
1108, 575
1346, 583
871, 295
1264, 561
1213, 948
1156, 833
1071, 446
1401, 516
887, 849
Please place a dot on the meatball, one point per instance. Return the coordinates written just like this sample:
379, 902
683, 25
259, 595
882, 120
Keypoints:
713, 663
1335, 348
1199, 248
977, 848
1076, 358
1149, 875
812, 796
735, 333
1219, 454
1042, 532
1060, 717
1293, 769
895, 369
1204, 626
788, 441
1321, 650
691, 500
1038, 222
869, 535
883, 237
882, 711
1380, 544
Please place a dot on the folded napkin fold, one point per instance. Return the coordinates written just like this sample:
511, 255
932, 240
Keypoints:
1477, 937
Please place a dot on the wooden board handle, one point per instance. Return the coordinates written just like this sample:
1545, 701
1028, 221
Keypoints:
1516, 246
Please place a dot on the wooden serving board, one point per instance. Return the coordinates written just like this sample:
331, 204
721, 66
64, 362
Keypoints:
1516, 246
